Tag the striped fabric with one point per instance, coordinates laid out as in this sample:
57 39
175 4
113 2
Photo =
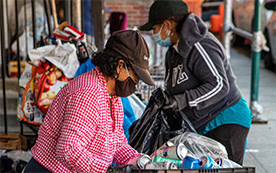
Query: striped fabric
81 132
214 72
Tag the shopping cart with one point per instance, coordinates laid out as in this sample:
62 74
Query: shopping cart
144 91
131 169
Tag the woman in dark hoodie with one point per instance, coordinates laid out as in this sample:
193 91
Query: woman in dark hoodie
199 79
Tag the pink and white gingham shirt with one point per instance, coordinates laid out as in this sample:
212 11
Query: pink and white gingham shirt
81 133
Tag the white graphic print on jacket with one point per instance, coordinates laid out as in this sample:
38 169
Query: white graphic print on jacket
178 75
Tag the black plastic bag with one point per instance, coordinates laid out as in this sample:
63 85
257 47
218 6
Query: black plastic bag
155 127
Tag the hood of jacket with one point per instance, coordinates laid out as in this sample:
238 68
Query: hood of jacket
192 31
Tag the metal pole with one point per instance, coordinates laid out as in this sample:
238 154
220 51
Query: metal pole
3 57
98 13
82 17
76 16
34 21
48 15
9 36
26 26
18 52
68 11
256 38
54 11
255 107
227 26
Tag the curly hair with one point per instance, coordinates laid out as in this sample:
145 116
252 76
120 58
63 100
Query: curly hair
108 62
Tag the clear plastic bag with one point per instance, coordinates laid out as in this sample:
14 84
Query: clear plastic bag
17 160
17 155
199 145
226 163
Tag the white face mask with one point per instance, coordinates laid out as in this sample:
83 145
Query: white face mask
157 39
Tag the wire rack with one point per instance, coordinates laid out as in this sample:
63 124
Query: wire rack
144 91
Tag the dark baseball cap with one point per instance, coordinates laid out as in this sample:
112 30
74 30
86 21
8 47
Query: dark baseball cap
131 45
163 9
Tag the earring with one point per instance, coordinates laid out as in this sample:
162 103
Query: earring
169 32
172 33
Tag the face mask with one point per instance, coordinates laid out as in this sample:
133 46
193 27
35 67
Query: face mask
157 39
125 88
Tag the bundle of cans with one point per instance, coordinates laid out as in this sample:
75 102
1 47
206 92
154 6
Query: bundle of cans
171 156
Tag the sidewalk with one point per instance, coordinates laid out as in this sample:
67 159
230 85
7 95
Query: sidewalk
261 144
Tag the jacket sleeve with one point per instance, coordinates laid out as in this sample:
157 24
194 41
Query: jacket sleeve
207 64
79 126
125 153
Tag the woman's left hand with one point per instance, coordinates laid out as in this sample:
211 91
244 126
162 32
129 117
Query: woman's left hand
170 104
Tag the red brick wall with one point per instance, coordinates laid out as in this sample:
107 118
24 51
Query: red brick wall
137 11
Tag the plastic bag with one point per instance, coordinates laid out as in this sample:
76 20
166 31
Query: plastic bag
199 145
137 105
25 26
27 111
48 82
63 57
39 86
226 163
18 160
26 44
154 128
17 155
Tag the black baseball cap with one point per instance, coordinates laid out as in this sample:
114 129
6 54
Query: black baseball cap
163 9
131 45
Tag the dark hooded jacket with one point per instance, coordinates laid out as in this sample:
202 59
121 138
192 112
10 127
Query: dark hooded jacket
199 75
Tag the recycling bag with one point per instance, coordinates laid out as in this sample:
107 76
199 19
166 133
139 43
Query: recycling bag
155 127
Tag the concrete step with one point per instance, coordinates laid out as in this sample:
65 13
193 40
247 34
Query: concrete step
12 94
11 84
11 100
11 118
13 123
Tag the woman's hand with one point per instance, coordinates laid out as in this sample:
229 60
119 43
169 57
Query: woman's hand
170 104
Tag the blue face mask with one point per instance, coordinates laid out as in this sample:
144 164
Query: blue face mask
157 39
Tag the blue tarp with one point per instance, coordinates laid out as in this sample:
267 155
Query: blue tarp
88 19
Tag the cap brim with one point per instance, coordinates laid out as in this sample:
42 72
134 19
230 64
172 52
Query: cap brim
146 27
143 74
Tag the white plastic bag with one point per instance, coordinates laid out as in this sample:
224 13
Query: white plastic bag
199 145
25 44
17 155
137 105
64 57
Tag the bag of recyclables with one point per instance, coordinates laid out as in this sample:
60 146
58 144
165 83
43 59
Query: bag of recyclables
199 145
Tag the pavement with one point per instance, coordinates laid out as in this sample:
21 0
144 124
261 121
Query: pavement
261 144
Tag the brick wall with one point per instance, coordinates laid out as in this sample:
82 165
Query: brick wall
137 10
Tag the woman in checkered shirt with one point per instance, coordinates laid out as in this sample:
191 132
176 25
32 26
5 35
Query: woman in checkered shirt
82 130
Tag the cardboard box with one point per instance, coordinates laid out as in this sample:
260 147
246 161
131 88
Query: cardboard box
13 142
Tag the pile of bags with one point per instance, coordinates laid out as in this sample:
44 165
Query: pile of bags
51 67
172 142
193 151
